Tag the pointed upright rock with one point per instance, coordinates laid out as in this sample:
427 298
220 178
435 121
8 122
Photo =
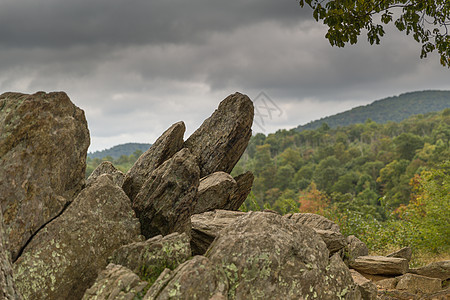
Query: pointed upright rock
222 138
169 143
43 146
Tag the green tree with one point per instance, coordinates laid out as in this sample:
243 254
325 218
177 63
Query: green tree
427 21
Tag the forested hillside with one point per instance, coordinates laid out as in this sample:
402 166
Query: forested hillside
368 177
394 109
119 150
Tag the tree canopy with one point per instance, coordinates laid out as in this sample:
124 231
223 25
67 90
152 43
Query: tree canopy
428 21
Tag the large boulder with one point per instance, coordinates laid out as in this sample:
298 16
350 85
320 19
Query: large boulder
7 287
222 138
149 258
116 282
266 256
244 187
165 202
43 145
438 269
335 241
64 258
214 192
169 143
197 278
380 265
356 248
414 284
106 167
314 221
206 226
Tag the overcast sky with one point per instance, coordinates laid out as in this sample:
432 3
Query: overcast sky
137 66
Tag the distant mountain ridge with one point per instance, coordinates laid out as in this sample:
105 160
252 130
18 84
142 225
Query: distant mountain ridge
396 109
119 150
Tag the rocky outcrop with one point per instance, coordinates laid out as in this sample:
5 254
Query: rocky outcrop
356 248
222 138
366 287
335 241
206 226
43 146
214 192
64 258
165 202
116 282
7 286
197 278
380 265
439 270
265 256
405 253
313 221
106 167
169 143
244 187
149 258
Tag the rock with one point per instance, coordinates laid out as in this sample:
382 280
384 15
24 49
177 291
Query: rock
214 192
107 167
116 282
380 265
149 258
414 284
405 253
165 202
440 269
388 283
244 187
266 256
334 240
43 145
222 138
64 258
197 278
207 225
169 143
313 221
7 286
356 248
366 287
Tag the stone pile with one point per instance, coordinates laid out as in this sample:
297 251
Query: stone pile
169 228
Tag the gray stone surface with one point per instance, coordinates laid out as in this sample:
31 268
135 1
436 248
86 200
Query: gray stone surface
335 241
165 202
214 192
414 284
64 258
244 187
405 253
266 256
206 226
150 257
116 283
356 248
169 143
107 167
380 265
7 287
197 278
439 269
367 288
313 221
222 138
43 145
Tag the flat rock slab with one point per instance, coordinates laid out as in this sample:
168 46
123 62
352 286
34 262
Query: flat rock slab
380 265
313 221
414 284
206 226
214 192
116 282
64 258
165 203
405 253
169 143
244 187
43 145
222 138
266 256
150 257
439 269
